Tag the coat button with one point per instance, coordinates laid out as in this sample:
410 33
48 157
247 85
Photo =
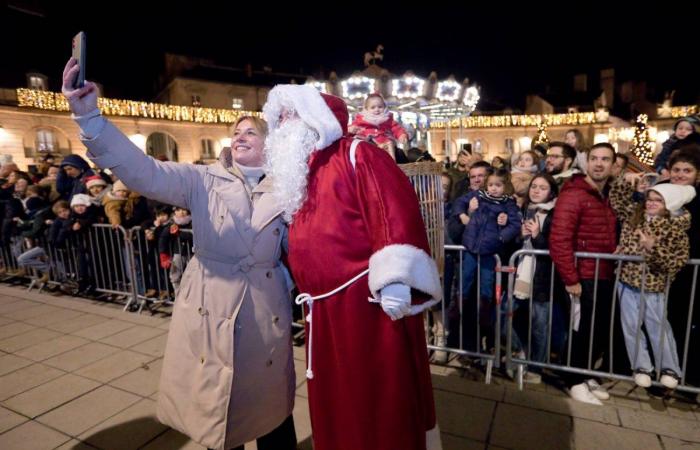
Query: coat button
276 232
275 319
269 362
201 359
268 274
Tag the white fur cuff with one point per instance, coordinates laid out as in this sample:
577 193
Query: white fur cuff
406 264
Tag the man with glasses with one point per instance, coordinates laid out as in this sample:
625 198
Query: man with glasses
560 158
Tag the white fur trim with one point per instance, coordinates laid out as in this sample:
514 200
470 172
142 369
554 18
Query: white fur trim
353 151
311 107
401 263
432 439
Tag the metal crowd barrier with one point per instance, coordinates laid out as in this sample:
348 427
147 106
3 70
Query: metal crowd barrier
452 324
156 285
595 363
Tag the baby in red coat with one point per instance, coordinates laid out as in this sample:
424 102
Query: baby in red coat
375 124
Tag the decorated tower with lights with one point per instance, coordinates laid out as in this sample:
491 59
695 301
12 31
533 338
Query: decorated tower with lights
542 137
642 148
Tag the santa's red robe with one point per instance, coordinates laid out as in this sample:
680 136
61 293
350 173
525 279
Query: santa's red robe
371 387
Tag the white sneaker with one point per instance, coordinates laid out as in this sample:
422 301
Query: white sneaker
583 394
596 389
440 356
642 379
669 379
532 378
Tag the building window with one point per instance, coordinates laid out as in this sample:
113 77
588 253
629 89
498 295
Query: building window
237 103
45 141
477 146
509 146
37 82
162 146
207 149
196 101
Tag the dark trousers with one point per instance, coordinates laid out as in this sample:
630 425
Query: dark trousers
281 438
600 327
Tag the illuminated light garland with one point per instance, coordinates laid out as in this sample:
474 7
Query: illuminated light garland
54 101
676 112
358 87
471 97
533 120
448 91
407 87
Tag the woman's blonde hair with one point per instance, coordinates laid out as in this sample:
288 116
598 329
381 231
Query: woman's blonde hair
258 123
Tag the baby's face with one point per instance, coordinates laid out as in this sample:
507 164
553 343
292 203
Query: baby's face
683 130
375 106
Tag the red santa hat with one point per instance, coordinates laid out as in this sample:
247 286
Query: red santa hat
325 114
95 180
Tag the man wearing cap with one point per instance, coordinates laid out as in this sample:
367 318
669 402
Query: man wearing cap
358 252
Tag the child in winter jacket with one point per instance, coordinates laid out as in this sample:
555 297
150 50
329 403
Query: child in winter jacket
491 219
656 230
377 125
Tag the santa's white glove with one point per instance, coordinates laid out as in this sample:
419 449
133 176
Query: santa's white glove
396 300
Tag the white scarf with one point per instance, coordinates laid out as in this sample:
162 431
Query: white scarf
375 119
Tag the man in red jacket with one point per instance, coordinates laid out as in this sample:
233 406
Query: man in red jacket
585 222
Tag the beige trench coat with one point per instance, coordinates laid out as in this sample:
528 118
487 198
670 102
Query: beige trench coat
228 372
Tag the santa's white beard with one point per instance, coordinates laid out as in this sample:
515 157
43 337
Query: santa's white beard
287 151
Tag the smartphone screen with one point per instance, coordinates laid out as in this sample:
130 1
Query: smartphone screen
79 55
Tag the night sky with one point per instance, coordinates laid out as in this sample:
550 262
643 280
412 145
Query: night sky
508 52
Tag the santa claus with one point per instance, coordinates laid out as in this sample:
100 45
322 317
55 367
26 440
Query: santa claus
359 252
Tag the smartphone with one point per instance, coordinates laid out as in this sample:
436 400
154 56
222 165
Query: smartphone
79 55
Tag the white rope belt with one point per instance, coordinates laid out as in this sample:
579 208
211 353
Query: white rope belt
309 300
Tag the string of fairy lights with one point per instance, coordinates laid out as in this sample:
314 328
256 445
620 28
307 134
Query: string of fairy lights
531 120
54 101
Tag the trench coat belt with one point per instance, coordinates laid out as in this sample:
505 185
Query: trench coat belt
238 264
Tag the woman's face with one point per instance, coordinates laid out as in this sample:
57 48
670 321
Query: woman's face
570 139
12 178
684 173
539 190
247 145
683 129
95 190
